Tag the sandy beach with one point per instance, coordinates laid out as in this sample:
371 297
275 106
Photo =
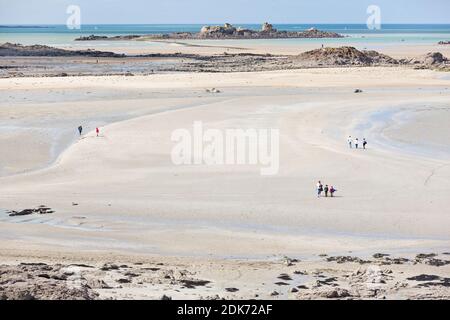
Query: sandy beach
119 199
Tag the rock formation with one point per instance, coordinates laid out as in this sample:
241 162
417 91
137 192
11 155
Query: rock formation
18 50
94 37
227 31
346 56
267 27
431 58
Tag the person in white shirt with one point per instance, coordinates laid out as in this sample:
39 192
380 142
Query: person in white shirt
356 143
350 141
319 189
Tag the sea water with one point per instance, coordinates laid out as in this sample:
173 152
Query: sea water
60 35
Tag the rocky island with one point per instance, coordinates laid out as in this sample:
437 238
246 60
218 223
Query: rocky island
227 31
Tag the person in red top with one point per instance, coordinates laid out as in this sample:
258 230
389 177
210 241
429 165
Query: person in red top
97 130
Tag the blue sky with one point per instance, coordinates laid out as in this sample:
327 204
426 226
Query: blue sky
218 11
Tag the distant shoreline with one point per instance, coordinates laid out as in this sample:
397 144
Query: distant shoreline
24 27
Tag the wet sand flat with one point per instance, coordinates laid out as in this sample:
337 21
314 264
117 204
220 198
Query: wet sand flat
120 194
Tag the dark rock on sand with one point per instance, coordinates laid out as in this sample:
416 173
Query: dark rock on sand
152 269
335 294
390 261
231 289
432 281
109 267
300 272
421 256
425 277
328 281
431 260
97 284
91 37
380 255
346 259
285 277
123 280
430 59
81 265
436 262
26 212
281 283
191 284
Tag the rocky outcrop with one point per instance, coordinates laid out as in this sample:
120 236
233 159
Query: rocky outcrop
39 281
18 50
443 42
430 59
214 31
91 37
346 56
267 32
267 27
227 31
94 37
39 210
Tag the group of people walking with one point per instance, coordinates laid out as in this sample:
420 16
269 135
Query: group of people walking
326 190
356 142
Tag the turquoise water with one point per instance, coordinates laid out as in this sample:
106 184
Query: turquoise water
390 33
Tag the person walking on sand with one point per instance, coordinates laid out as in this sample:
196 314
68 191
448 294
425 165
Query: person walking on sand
319 189
356 143
326 189
350 141
364 143
80 130
97 131
332 191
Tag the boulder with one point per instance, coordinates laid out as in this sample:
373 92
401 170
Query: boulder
434 58
227 29
267 27
429 59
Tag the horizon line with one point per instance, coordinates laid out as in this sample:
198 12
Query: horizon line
233 23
